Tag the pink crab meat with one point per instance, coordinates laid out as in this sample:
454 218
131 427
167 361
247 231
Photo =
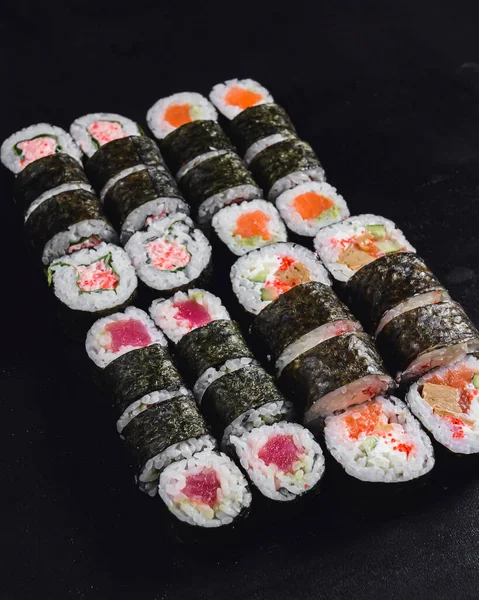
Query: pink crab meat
152 218
280 450
168 256
97 276
37 148
127 332
193 313
106 131
91 242
202 487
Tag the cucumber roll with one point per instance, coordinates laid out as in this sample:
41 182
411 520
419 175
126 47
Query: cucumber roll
171 254
262 275
429 336
379 441
93 131
347 247
285 165
236 95
248 226
35 142
339 372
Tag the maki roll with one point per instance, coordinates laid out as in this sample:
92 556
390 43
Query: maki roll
379 441
284 165
35 142
310 206
171 254
446 401
236 95
93 131
262 275
348 246
248 226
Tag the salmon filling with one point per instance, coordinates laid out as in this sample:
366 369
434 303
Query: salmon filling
103 132
37 147
167 256
178 114
98 276
253 225
311 205
242 97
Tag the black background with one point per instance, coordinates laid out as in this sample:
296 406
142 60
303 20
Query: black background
388 95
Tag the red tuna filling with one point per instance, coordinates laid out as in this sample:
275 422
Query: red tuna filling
202 487
127 332
168 256
280 450
97 276
106 131
90 242
192 312
37 148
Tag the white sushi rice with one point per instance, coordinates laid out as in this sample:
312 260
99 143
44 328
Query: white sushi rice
160 207
13 161
266 142
59 243
143 403
224 223
233 495
269 479
212 374
148 478
437 358
443 429
121 175
219 92
194 162
200 109
373 456
213 204
178 229
252 271
60 189
285 203
312 339
82 136
98 341
164 312
410 304
329 248
63 274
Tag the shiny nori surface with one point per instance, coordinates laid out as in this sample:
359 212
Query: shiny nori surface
230 396
258 122
45 174
211 346
295 313
281 159
422 330
161 425
118 155
330 365
59 212
213 176
386 282
140 372
137 189
191 140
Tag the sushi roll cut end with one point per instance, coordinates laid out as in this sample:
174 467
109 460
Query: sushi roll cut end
236 95
92 131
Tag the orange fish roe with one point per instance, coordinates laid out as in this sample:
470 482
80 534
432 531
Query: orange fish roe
311 205
458 378
363 420
178 114
241 97
254 223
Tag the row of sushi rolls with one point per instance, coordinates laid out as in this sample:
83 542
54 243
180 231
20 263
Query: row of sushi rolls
116 215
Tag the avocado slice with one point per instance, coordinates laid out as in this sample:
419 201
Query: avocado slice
475 380
259 277
268 294
377 231
387 246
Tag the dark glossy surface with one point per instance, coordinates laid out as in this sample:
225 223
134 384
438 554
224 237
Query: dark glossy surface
388 95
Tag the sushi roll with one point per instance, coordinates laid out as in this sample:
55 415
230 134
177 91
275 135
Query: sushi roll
283 460
429 336
215 181
379 441
35 142
348 246
172 112
205 490
446 401
284 165
236 95
343 370
262 275
299 320
93 131
248 226
171 254
310 206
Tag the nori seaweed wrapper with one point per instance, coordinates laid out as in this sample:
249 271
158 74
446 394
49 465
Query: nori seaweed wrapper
137 189
281 159
230 396
213 176
116 156
45 174
192 140
295 313
258 122
211 346
59 212
386 282
162 425
330 365
424 329
140 372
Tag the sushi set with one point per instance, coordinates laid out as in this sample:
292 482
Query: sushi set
337 314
